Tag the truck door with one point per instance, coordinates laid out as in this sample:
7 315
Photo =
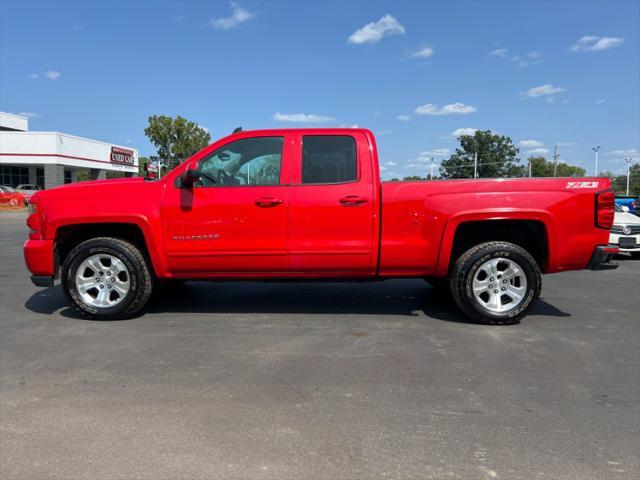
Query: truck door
332 206
235 218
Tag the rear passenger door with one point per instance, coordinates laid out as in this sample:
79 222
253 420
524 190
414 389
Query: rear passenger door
331 212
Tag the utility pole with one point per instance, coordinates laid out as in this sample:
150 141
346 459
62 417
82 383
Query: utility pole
431 175
596 149
555 160
628 160
475 166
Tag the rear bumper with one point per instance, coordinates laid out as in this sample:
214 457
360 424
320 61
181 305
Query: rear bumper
40 259
602 257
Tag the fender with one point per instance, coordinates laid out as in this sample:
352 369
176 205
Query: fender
151 239
452 224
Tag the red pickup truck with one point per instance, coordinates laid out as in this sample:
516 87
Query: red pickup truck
308 204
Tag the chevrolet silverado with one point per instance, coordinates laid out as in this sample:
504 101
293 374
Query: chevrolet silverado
309 204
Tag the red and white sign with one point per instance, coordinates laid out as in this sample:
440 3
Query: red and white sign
122 156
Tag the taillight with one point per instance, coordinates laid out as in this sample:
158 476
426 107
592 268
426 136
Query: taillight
605 209
34 222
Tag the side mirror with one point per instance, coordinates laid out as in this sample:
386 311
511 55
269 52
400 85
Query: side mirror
189 177
624 208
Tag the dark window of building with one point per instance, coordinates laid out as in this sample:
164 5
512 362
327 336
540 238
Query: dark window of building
13 176
40 177
329 159
67 176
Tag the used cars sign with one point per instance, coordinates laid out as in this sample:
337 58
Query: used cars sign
122 156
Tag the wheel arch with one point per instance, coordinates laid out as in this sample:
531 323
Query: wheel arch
69 236
533 231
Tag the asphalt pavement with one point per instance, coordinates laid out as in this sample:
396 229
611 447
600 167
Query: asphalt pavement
319 381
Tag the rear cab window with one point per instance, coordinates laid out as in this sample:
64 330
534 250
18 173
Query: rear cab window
329 159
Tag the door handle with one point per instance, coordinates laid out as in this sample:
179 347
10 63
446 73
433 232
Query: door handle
353 200
267 202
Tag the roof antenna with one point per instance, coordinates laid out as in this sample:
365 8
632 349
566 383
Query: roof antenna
237 130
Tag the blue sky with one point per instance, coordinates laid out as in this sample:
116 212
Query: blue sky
544 73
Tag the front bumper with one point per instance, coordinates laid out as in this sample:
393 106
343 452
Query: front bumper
40 260
602 256
614 238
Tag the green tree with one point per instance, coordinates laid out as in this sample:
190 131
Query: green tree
619 181
497 157
411 178
541 167
176 139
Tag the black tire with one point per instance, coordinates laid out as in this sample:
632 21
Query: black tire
140 279
468 264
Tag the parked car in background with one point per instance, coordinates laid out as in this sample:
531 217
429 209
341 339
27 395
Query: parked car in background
10 197
625 231
28 188
631 202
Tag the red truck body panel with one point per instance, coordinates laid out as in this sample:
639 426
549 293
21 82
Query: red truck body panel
395 229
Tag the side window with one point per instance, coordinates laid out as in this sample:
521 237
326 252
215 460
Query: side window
251 161
329 159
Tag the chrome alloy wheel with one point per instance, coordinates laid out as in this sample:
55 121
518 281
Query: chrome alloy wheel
102 280
499 285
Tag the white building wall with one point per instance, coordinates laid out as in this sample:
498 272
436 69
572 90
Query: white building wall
29 148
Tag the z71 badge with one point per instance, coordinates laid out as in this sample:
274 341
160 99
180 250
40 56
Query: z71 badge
582 184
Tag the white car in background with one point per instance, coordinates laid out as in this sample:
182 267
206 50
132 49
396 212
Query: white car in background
625 231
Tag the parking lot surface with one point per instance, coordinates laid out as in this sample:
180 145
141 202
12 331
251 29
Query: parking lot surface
319 381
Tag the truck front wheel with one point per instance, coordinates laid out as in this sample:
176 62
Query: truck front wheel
106 278
495 282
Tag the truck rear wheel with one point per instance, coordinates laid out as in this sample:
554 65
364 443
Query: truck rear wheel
495 282
106 278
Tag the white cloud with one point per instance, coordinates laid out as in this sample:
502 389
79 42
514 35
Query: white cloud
625 153
499 52
437 152
542 90
374 31
593 43
534 55
238 15
390 163
601 101
537 151
567 144
464 131
302 118
34 76
403 118
423 52
451 109
27 114
53 74
531 144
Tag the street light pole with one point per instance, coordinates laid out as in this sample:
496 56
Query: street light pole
431 175
628 160
555 160
475 166
596 149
